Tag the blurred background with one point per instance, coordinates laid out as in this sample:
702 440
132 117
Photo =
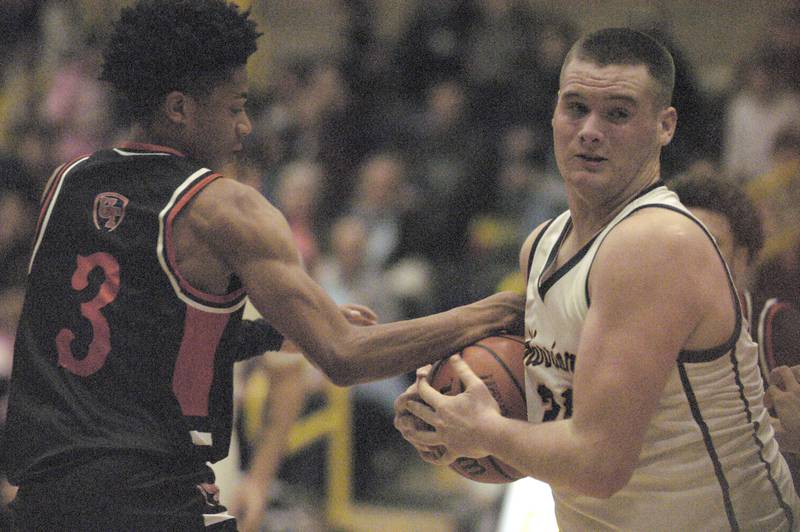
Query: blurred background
408 144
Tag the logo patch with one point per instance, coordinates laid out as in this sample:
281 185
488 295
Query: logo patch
109 210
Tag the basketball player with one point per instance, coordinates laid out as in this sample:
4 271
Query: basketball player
733 219
774 324
645 401
121 385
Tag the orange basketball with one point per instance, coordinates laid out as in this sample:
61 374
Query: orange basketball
498 361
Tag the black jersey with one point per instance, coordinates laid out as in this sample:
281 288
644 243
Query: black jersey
115 350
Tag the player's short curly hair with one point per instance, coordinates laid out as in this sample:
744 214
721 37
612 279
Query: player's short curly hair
158 46
721 195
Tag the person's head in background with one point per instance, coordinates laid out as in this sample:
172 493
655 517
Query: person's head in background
179 66
729 215
382 186
786 147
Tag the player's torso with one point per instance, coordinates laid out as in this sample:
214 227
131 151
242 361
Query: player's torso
684 455
125 351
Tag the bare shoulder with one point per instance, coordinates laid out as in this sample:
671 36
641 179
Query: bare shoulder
665 256
235 219
659 237
661 267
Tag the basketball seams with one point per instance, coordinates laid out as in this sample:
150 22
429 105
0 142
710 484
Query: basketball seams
505 367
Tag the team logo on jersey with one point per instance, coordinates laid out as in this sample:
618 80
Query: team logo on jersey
537 355
109 210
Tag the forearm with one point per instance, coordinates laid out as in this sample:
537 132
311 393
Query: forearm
385 350
557 454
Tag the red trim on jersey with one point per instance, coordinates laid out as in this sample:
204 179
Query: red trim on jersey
185 285
143 146
194 367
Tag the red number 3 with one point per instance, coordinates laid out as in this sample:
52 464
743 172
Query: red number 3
101 335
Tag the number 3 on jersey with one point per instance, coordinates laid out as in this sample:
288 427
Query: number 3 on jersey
100 345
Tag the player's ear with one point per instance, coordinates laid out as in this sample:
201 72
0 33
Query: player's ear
178 106
667 121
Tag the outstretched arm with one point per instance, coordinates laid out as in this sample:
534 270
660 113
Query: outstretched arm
253 240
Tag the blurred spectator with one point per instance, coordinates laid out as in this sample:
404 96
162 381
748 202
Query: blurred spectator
528 187
537 79
76 105
499 44
331 131
698 133
783 42
370 68
382 200
349 277
19 25
431 46
777 195
31 161
17 220
754 116
269 395
451 165
10 308
296 195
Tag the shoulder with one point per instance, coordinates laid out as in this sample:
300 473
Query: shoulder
657 246
226 199
659 231
230 215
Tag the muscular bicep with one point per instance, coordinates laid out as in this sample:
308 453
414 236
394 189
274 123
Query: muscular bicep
651 288
252 238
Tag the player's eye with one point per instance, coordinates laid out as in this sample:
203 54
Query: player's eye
619 114
576 109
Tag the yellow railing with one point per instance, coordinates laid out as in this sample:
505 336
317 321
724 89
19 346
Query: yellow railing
332 422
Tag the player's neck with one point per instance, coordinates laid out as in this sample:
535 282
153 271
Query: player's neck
155 136
590 213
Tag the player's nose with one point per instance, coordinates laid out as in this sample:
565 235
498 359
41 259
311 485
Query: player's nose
590 131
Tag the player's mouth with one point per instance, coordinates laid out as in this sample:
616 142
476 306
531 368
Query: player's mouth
591 161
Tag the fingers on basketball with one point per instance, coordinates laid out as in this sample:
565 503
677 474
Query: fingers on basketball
498 362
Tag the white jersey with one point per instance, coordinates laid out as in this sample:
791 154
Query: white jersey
709 459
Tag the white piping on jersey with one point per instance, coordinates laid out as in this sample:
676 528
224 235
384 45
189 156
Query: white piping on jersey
163 261
46 218
134 153
201 438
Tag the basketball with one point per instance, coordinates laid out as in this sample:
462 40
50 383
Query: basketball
498 361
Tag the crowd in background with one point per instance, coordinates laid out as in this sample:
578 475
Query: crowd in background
411 170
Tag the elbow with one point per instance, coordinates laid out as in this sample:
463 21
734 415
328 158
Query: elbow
338 368
341 376
604 480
